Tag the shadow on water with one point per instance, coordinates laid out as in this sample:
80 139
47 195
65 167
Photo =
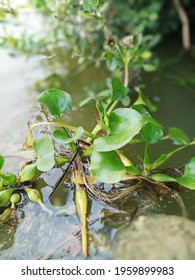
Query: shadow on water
31 233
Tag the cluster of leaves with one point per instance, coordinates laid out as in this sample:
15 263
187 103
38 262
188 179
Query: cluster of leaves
116 128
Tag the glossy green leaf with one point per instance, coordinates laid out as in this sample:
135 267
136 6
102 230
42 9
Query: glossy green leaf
119 91
1 161
61 160
151 133
188 179
162 177
178 136
124 124
28 172
132 170
57 101
63 137
141 109
5 196
106 167
160 160
190 167
44 149
1 184
8 179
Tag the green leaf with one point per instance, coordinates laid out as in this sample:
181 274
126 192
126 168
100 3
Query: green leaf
90 5
162 177
5 196
63 137
44 149
188 179
1 184
124 124
1 161
28 172
8 179
132 170
88 151
160 160
190 167
61 160
57 101
111 61
106 167
143 100
151 133
119 91
178 136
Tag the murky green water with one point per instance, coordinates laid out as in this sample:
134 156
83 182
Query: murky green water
32 233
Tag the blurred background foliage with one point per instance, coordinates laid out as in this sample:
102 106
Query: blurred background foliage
81 33
84 28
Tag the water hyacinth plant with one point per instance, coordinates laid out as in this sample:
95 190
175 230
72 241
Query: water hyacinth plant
93 158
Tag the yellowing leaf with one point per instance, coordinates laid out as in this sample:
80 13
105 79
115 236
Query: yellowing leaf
81 207
28 143
78 180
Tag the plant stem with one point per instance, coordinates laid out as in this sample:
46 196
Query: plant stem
94 132
59 124
112 107
126 81
114 104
